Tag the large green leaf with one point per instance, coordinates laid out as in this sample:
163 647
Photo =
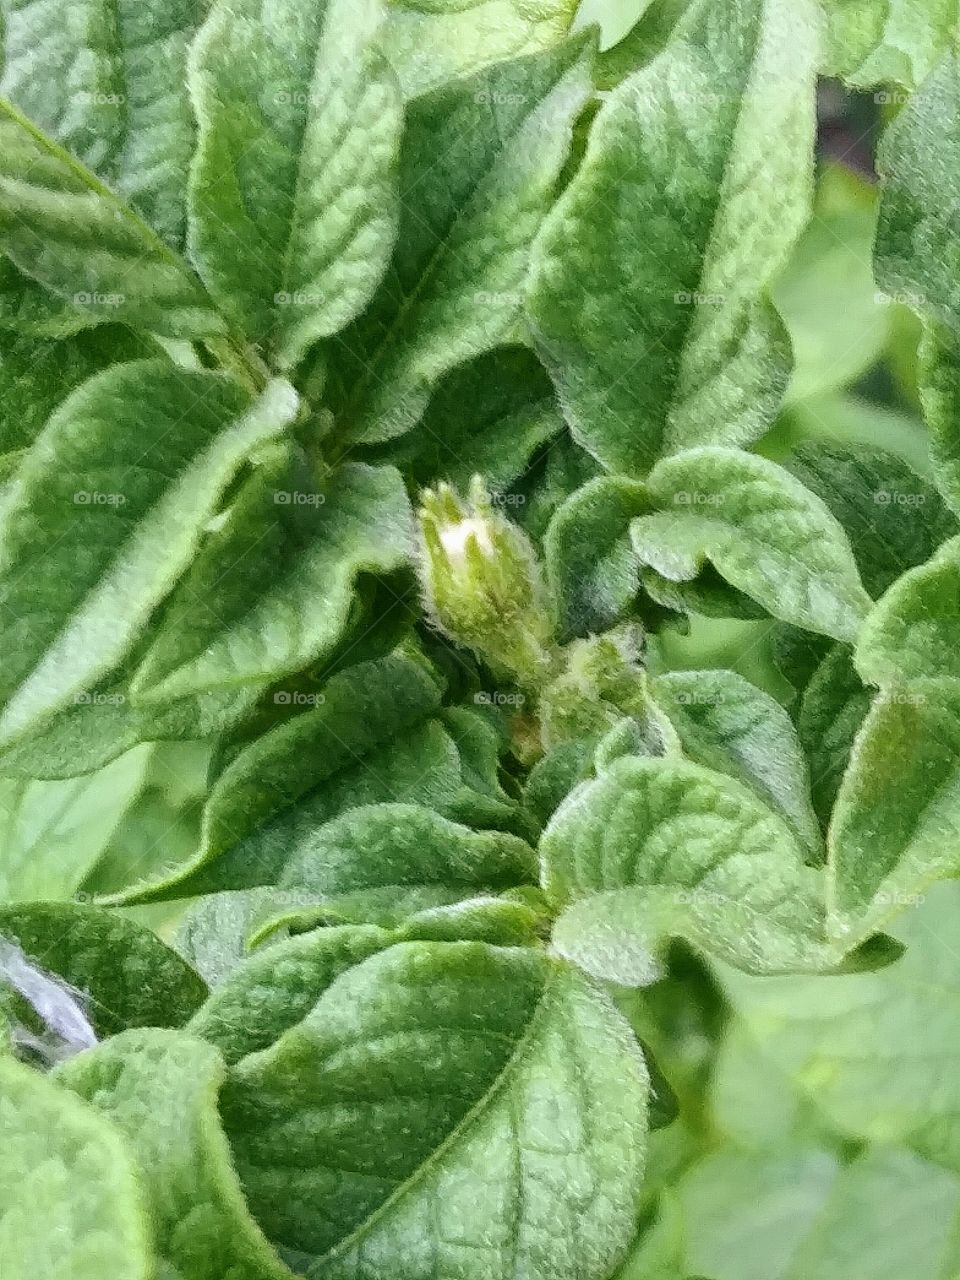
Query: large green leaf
729 725
918 236
431 41
273 590
160 1089
52 834
126 974
292 204
766 534
648 298
480 1111
108 81
65 229
867 1051
70 1206
655 849
886 42
126 475
479 163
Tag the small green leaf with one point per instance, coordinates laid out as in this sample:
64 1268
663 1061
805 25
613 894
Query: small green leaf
884 42
765 533
65 229
896 823
126 474
939 379
421 1076
125 974
648 300
893 518
70 1206
121 111
592 568
364 710
833 706
37 374
656 849
273 590
731 726
292 204
406 846
432 41
276 988
913 632
454 288
487 417
160 1089
917 255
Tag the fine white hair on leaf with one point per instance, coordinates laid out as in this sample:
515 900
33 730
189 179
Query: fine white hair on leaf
56 1004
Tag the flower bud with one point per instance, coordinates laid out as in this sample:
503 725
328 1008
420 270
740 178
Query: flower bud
483 584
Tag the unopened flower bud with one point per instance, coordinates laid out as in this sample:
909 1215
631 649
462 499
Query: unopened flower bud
483 584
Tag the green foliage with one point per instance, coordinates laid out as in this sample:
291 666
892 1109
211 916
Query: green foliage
539 884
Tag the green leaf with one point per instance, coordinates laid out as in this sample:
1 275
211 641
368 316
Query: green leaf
274 589
833 707
110 86
421 1075
62 227
432 41
127 976
160 1088
656 849
127 473
364 709
487 417
765 533
893 518
53 833
896 823
36 374
648 300
867 1050
453 290
292 204
592 568
939 379
884 42
729 725
214 931
276 988
917 255
28 309
912 633
70 1207
406 846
